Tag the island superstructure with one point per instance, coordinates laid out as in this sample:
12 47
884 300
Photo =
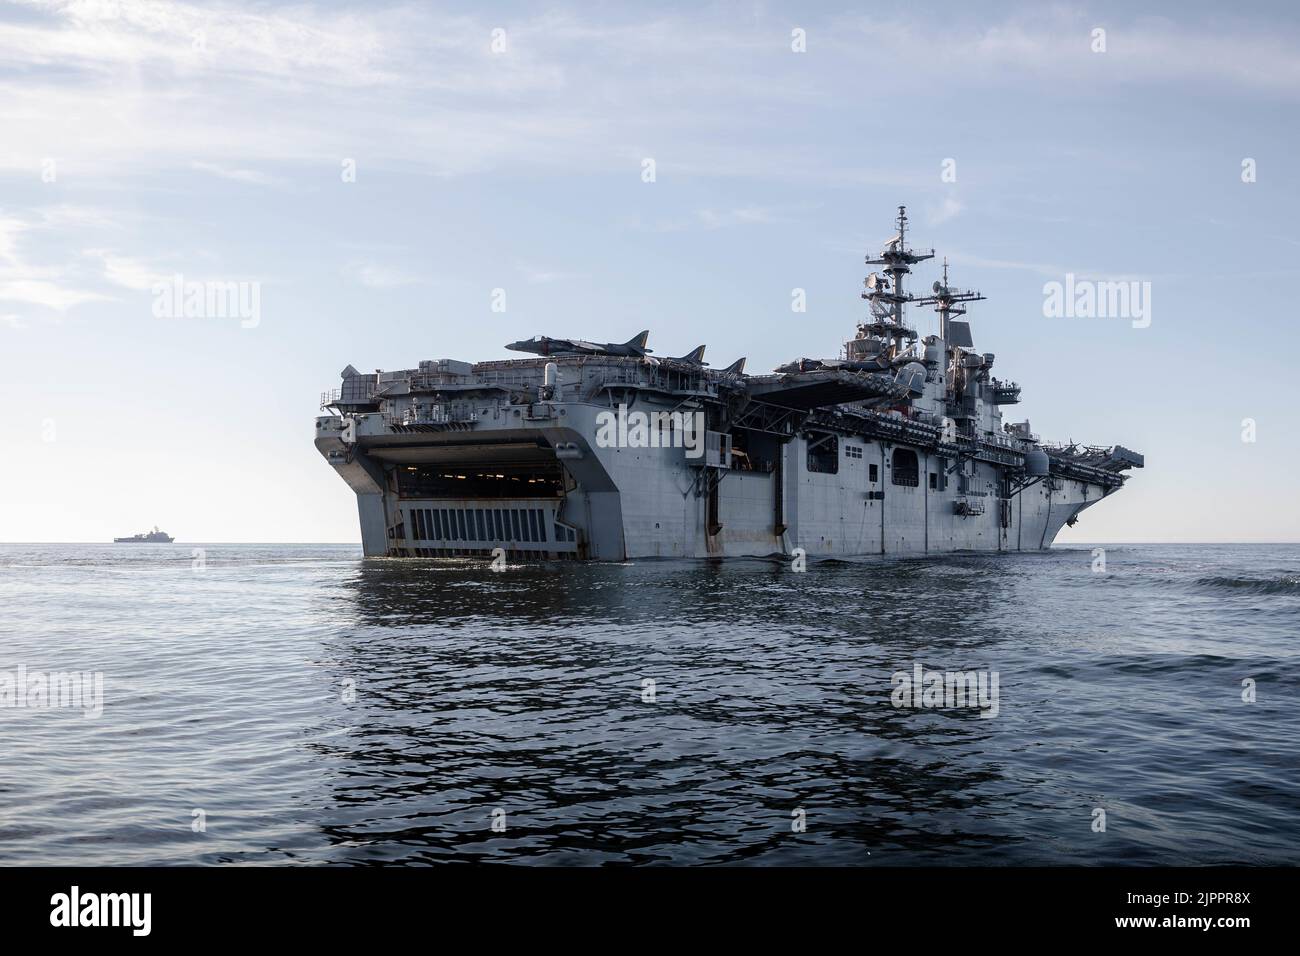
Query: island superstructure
897 446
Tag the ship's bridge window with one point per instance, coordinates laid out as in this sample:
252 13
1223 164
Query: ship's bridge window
906 469
852 451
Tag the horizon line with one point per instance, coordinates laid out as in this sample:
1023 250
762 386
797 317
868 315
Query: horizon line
358 544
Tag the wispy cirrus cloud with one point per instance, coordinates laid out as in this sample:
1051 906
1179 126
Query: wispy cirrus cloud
738 216
45 293
23 280
128 272
225 90
949 207
1052 270
539 274
379 275
251 176
10 229
723 217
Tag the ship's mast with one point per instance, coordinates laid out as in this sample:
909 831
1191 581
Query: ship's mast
945 301
887 294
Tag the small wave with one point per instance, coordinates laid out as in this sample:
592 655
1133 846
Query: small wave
1280 585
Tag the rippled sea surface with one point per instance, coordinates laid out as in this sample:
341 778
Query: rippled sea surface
297 704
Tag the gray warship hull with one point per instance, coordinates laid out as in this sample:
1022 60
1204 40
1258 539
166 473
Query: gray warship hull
625 503
607 453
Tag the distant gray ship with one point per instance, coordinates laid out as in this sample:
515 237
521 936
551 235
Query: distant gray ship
606 452
146 537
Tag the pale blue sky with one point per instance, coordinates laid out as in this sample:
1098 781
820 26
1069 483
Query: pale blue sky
208 140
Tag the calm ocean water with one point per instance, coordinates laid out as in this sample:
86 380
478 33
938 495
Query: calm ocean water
298 704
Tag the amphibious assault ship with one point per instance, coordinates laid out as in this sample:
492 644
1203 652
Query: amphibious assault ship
147 537
607 452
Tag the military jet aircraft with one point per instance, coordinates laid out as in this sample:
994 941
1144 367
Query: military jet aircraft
694 357
634 347
817 365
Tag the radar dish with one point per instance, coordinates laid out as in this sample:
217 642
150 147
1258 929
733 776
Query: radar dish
937 286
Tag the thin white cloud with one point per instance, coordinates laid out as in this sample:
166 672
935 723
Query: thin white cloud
10 230
49 295
71 216
1055 46
130 273
721 218
1051 270
22 280
540 275
233 87
193 37
947 208
742 216
377 275
236 175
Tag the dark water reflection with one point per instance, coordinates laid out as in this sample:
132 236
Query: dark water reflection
327 709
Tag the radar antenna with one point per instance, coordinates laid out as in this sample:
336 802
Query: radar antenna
886 295
945 301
